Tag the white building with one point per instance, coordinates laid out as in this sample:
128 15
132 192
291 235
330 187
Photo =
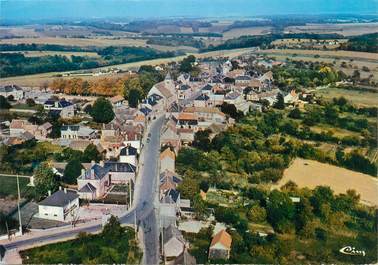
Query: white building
128 154
12 90
61 206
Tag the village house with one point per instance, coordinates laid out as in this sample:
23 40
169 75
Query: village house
187 120
207 114
118 101
291 97
12 90
128 154
202 100
220 246
184 91
173 243
168 181
167 160
235 73
20 127
174 110
77 132
62 206
93 183
186 135
242 80
120 172
183 78
165 89
237 99
60 107
169 137
43 131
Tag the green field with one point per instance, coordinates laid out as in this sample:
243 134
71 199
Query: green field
8 186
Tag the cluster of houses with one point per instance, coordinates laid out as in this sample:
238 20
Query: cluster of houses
189 104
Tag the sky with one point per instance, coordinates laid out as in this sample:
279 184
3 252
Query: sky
50 9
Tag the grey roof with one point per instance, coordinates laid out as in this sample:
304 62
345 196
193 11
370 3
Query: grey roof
112 166
184 87
243 77
128 151
88 188
202 97
232 95
9 88
172 232
95 172
185 259
171 196
70 127
207 87
60 198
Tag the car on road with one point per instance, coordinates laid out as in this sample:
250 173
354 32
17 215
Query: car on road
149 134
148 140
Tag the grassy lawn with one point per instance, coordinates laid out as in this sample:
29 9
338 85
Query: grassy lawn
222 197
8 186
24 106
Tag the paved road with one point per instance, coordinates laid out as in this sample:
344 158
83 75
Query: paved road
143 206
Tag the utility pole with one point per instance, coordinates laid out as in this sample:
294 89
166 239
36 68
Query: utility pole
135 225
18 204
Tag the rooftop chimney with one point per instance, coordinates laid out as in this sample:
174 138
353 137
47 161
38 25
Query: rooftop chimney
102 163
49 192
82 171
93 163
65 190
60 187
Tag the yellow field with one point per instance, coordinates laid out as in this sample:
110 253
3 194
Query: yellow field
46 53
346 29
362 98
330 54
235 33
309 173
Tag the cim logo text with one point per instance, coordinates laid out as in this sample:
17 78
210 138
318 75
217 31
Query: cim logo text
348 250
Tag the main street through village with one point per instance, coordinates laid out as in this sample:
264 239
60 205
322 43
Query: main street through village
143 211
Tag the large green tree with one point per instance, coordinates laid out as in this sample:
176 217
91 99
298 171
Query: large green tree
72 171
44 180
102 111
4 104
91 154
133 97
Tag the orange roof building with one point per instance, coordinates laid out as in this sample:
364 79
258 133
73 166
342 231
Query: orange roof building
220 246
167 160
167 153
